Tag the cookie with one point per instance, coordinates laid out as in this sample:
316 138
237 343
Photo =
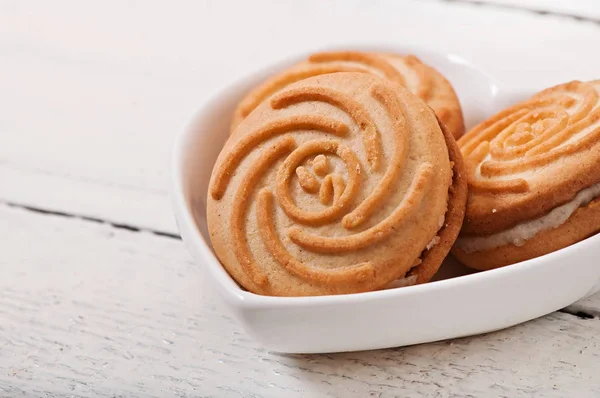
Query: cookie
339 183
534 177
408 71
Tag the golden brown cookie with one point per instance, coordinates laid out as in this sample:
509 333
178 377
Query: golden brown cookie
534 176
339 183
408 71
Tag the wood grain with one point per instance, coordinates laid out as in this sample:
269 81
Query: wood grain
87 310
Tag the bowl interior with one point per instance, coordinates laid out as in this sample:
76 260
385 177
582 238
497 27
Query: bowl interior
199 146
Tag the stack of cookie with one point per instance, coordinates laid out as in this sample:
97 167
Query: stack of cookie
342 175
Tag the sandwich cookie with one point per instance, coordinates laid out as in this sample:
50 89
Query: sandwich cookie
408 71
339 183
534 177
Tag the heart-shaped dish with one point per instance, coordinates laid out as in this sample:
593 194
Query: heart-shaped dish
457 303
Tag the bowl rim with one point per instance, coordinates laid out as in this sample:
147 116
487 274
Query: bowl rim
195 242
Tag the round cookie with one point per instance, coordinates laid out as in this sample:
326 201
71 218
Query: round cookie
408 71
339 183
534 173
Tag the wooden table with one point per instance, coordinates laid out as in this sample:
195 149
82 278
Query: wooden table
98 296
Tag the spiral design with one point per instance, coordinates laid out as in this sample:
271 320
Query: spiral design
502 152
407 71
329 168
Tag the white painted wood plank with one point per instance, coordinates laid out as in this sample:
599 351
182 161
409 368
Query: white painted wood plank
87 310
91 95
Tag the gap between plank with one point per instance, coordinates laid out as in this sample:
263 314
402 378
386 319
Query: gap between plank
89 219
577 312
529 10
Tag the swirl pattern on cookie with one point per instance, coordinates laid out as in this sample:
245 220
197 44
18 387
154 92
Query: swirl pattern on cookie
408 71
502 152
328 171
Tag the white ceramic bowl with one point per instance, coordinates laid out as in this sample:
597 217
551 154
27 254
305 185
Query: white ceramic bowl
458 303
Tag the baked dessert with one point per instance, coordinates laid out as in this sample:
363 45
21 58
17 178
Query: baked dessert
408 71
534 177
339 183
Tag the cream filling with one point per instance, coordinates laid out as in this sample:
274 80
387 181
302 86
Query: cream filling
408 281
520 233
411 280
433 242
